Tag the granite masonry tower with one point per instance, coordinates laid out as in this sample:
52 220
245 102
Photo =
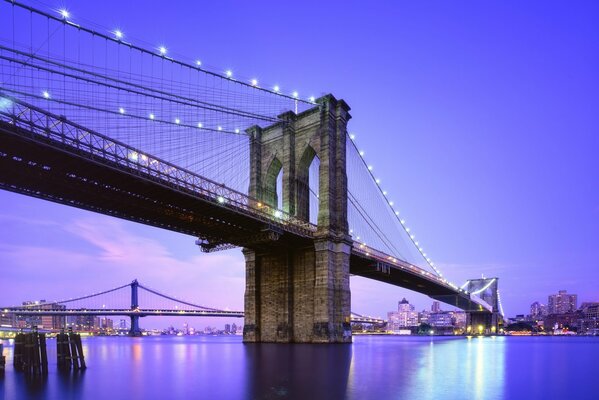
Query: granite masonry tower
300 292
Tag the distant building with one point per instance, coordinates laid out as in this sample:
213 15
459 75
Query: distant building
436 307
7 320
233 328
405 316
227 328
460 319
46 321
537 311
443 318
589 324
569 320
562 303
106 323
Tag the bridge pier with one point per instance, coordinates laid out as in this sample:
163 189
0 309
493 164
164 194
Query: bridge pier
482 323
134 330
299 292
298 295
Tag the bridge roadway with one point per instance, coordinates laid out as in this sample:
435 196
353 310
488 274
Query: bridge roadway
153 313
46 156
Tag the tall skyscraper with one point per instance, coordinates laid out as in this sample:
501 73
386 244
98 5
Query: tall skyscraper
562 303
538 310
436 307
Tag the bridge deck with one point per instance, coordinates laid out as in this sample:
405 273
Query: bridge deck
41 163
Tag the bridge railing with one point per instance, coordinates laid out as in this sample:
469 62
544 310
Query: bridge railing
378 255
95 146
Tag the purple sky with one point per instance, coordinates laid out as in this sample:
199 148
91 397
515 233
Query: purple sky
481 117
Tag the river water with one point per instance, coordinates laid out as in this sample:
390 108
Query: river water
373 367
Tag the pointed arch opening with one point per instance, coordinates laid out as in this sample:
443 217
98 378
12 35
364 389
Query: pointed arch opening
273 184
308 173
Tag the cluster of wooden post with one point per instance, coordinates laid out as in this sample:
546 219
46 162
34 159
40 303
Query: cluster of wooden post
30 353
69 351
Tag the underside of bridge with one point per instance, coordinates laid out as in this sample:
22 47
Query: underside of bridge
61 175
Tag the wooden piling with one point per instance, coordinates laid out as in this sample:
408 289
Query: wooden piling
2 359
17 360
79 346
74 357
44 354
29 354
63 351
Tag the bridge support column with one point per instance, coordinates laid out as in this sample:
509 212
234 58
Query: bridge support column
298 295
482 323
134 330
299 292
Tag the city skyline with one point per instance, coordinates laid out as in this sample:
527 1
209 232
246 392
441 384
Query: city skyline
490 158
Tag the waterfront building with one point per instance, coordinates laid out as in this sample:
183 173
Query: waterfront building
570 320
537 311
45 321
562 303
441 319
436 307
589 324
405 316
7 320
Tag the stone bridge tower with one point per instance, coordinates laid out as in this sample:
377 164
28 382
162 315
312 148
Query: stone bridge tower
300 292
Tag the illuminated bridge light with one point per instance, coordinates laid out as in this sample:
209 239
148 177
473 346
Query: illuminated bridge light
64 13
162 50
46 94
276 88
118 34
220 199
278 214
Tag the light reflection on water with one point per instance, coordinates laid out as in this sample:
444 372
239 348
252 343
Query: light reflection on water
373 367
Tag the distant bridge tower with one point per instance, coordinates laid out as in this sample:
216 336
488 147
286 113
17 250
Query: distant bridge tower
483 322
134 331
299 292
